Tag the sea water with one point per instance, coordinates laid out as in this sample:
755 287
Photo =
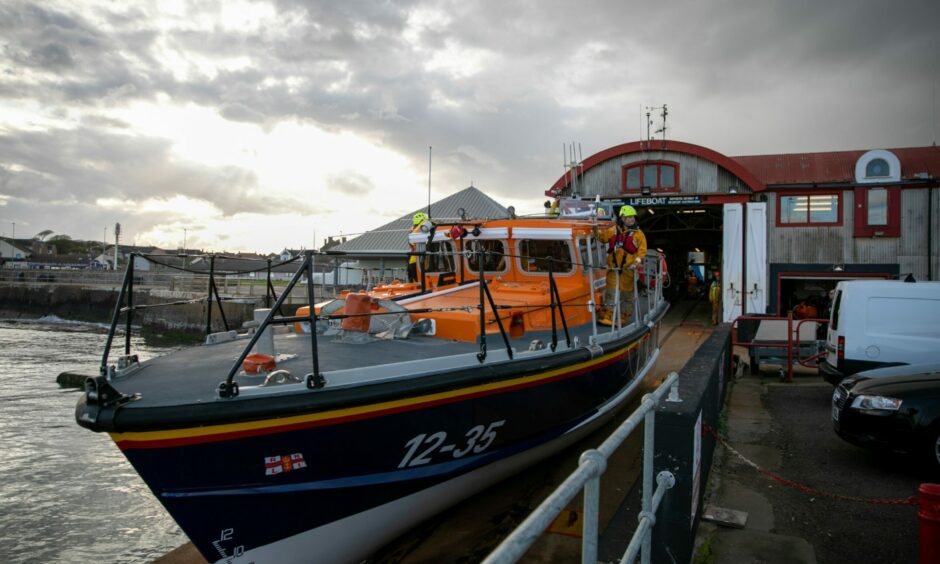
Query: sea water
67 494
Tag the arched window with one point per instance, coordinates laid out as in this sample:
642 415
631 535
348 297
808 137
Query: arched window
877 168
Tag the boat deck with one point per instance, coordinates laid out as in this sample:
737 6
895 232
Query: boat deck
193 375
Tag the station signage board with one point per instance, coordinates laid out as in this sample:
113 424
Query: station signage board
647 201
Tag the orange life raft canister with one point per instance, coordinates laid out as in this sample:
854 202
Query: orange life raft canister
255 363
357 305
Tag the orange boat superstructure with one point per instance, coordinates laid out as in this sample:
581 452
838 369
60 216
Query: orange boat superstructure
516 256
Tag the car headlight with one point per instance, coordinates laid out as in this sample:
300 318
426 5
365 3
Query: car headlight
876 403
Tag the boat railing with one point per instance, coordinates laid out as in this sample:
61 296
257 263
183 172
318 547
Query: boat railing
125 302
314 380
586 478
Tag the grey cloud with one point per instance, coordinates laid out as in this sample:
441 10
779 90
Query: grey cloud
83 166
350 183
241 112
738 75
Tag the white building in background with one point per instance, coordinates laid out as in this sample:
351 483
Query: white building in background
11 250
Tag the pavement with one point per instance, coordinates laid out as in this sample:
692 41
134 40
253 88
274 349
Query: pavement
749 424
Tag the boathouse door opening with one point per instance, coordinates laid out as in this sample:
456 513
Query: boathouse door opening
691 239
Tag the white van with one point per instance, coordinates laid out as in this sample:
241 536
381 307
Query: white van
878 323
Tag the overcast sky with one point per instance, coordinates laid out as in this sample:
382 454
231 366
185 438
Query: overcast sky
246 125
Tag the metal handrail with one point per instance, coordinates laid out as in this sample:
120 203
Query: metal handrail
485 290
555 301
790 345
128 275
586 477
228 388
814 357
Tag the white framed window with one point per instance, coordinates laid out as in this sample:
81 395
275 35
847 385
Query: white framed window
878 166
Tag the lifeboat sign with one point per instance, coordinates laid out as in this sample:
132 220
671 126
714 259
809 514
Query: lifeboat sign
664 201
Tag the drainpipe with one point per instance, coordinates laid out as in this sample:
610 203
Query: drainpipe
744 259
930 188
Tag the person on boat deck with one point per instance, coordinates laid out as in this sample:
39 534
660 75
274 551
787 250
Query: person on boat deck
416 222
714 297
626 249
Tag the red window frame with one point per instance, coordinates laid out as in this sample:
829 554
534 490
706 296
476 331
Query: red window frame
654 186
892 228
808 223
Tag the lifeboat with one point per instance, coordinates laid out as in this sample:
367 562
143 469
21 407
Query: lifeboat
386 406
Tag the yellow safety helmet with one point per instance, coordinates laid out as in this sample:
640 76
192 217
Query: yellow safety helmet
419 217
627 211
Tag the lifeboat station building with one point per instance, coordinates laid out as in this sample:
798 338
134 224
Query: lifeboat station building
780 229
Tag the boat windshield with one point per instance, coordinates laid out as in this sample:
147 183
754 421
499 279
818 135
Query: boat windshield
588 246
439 257
495 258
534 255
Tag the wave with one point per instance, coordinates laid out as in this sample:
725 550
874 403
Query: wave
58 323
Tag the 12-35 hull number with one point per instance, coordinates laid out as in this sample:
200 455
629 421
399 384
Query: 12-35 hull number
422 448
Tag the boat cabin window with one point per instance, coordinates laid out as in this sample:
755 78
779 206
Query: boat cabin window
586 246
601 257
583 252
534 253
495 255
439 257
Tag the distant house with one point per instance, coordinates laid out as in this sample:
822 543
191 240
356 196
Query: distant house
246 266
124 252
381 251
287 254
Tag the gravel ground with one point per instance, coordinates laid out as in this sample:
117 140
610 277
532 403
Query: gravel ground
813 455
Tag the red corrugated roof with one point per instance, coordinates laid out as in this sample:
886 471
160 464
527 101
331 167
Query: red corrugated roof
837 166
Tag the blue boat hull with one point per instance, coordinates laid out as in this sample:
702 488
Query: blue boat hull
335 486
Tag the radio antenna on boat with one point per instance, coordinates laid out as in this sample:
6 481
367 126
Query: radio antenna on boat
429 181
573 164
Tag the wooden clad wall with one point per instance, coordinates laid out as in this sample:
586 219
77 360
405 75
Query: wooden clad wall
912 246
838 245
820 245
696 175
935 235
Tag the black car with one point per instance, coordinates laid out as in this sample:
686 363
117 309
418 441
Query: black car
895 409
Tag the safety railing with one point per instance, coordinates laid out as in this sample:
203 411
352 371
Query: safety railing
586 478
792 344
305 274
125 303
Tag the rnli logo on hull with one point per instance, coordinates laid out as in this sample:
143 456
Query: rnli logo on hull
285 463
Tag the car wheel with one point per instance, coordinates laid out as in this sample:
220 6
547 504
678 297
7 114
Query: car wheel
755 366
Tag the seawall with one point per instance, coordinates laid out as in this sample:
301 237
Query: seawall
96 303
